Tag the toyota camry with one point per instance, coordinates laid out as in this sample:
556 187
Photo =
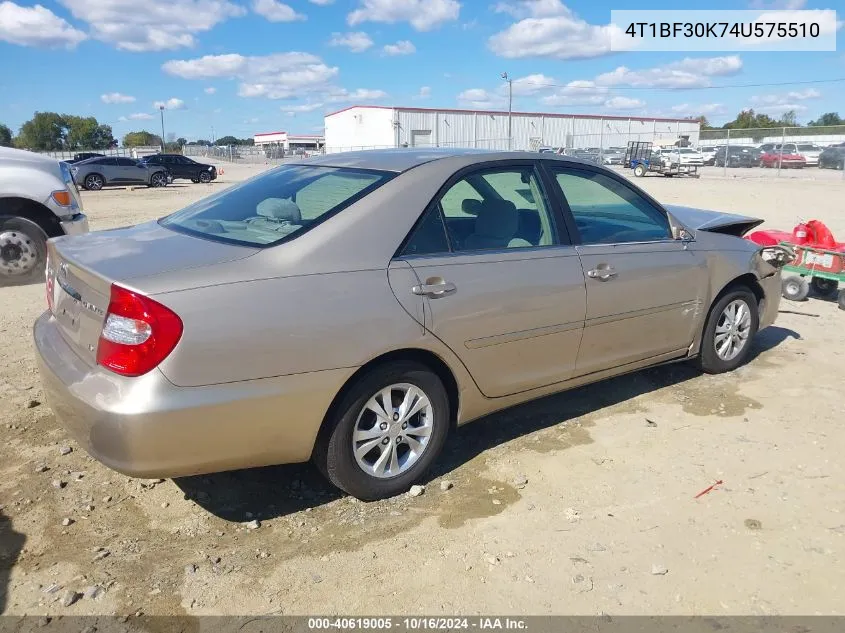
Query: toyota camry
352 309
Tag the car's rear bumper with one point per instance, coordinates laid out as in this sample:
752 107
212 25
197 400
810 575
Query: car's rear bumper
149 427
76 225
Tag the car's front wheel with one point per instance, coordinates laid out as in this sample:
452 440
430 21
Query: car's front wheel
205 177
731 324
385 432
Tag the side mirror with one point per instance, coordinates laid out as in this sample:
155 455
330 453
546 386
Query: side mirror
685 236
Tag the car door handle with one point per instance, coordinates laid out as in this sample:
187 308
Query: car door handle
602 274
436 290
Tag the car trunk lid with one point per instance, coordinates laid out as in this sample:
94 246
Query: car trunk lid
81 270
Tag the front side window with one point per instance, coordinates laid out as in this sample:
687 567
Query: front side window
276 206
607 211
494 209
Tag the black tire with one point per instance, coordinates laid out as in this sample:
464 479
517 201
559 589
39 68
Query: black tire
195 180
795 288
334 455
94 182
158 179
841 299
23 251
824 287
639 171
205 177
709 360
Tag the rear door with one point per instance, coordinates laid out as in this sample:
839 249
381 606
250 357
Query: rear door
129 171
501 284
645 290
108 168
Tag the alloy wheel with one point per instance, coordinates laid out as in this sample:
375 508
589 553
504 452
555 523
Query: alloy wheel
392 430
732 330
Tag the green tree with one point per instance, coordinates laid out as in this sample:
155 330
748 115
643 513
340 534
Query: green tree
45 131
750 119
86 133
141 139
828 118
789 119
181 141
228 140
5 136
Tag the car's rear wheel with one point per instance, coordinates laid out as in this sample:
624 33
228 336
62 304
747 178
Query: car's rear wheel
93 182
23 251
841 299
795 288
824 287
205 177
385 432
158 179
731 325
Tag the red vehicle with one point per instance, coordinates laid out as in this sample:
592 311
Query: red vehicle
771 158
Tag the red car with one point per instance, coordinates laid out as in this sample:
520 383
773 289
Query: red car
770 159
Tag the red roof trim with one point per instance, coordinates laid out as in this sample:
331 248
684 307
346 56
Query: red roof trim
551 114
268 133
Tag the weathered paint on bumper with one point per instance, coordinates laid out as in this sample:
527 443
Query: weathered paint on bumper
77 225
148 427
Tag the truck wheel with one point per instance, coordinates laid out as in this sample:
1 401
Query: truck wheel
23 251
795 288
639 171
841 300
824 287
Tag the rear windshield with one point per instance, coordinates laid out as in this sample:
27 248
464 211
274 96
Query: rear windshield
276 206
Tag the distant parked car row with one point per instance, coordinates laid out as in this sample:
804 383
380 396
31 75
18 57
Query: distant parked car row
795 155
158 170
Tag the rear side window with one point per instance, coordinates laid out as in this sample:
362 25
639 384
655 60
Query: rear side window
276 206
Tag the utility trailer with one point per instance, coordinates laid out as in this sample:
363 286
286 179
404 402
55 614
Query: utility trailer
643 159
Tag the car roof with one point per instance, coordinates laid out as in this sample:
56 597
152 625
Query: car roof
402 159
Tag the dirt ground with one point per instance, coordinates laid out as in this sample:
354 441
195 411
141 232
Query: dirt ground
582 503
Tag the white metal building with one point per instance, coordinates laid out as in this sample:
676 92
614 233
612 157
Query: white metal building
289 142
370 127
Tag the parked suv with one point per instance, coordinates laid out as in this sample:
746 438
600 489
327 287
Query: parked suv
95 173
183 167
38 200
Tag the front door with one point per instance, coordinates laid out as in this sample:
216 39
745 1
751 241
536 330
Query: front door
645 290
501 287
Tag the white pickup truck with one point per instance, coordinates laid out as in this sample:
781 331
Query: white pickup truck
38 200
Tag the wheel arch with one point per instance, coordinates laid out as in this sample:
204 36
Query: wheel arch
424 357
35 212
748 280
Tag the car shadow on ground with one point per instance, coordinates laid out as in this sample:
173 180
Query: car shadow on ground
11 544
274 491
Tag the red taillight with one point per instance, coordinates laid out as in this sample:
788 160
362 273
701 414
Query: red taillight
138 333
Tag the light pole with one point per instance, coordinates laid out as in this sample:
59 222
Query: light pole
161 109
510 108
